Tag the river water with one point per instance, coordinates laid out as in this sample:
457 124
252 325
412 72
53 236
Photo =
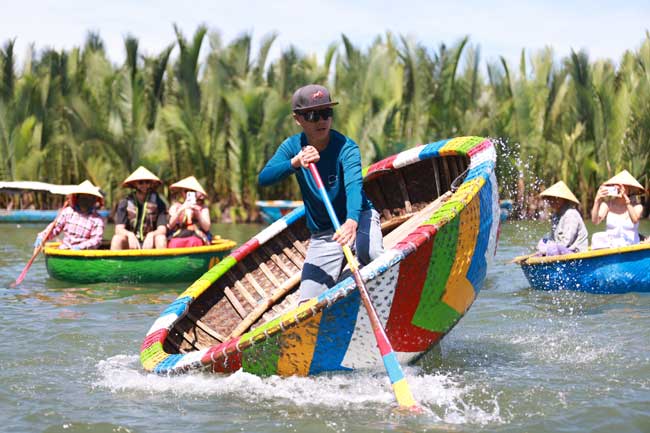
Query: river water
519 361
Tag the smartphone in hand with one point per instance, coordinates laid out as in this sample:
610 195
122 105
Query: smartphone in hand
190 197
612 191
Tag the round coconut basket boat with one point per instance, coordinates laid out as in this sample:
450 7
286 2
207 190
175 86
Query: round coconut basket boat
134 266
609 270
440 213
273 210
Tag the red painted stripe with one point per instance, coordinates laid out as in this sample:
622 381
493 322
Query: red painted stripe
156 337
214 357
232 364
417 237
384 164
314 173
412 274
382 341
481 147
245 249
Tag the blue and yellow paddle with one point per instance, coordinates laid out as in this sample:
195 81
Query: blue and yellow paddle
398 381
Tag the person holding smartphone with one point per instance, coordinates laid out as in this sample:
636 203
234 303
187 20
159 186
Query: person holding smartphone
189 221
338 160
622 215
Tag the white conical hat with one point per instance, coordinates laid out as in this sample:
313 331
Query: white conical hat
189 183
560 190
86 187
625 178
141 173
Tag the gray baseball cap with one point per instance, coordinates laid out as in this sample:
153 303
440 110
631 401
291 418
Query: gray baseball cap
310 97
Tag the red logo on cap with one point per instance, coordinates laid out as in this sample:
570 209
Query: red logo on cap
317 95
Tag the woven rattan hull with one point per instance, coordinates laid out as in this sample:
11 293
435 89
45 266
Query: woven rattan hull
242 314
610 270
134 266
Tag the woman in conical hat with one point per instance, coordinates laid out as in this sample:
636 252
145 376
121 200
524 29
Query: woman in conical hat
141 217
189 222
568 232
622 215
80 223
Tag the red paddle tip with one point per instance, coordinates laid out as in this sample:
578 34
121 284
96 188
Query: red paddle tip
411 410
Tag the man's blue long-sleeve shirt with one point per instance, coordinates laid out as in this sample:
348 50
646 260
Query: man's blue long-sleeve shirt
339 167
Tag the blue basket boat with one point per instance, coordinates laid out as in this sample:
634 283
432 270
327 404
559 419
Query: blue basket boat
273 210
610 270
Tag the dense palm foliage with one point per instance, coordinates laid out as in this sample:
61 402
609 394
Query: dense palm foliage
218 111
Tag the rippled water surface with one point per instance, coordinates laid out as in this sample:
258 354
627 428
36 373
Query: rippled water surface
519 361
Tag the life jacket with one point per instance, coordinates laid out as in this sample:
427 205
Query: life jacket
141 224
187 229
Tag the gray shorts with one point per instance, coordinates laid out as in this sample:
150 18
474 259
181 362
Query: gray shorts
325 258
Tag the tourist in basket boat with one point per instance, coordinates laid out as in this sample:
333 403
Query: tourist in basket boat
141 217
568 232
80 223
622 215
189 221
338 160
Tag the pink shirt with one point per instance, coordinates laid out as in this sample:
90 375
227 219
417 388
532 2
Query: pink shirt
81 231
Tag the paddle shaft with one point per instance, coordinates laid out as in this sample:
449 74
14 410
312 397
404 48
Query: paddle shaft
23 274
401 388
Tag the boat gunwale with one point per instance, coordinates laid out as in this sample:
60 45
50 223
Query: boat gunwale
585 255
51 250
152 347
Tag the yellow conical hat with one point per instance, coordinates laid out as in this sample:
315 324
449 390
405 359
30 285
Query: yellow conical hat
625 178
141 173
189 183
560 190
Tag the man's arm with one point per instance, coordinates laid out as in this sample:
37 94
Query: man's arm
279 166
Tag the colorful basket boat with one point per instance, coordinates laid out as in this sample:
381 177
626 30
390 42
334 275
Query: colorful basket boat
273 210
440 214
134 266
611 270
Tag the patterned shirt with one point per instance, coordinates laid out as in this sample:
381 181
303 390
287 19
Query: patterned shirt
80 231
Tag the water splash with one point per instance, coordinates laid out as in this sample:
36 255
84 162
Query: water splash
447 399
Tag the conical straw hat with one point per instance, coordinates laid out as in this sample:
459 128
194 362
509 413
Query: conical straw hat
141 173
625 178
560 190
86 187
189 183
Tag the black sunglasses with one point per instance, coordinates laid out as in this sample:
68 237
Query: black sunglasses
315 116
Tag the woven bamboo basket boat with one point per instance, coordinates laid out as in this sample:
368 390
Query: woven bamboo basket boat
604 271
273 210
169 265
440 214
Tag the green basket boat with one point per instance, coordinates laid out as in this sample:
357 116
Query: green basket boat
134 266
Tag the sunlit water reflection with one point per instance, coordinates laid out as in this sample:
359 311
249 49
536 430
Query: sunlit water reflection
520 360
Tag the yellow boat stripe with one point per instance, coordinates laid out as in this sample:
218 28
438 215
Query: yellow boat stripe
297 347
459 292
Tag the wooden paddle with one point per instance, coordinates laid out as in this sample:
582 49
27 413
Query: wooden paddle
22 275
398 381
521 259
